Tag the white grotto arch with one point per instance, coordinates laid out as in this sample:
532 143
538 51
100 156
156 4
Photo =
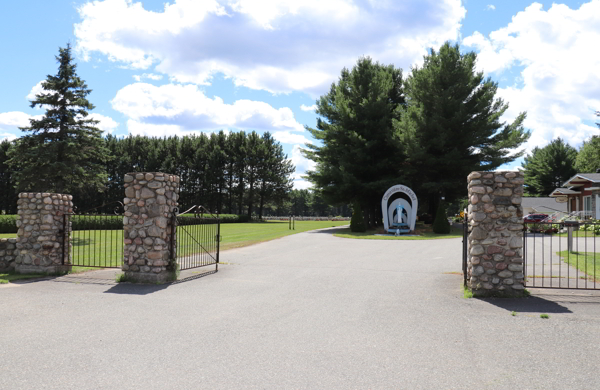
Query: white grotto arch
407 210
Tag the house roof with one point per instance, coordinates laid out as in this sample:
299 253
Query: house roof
580 178
543 203
563 191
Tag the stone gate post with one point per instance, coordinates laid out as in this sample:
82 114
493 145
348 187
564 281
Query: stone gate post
150 201
43 236
495 217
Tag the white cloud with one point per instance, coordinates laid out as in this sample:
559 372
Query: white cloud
106 124
308 108
15 119
36 90
150 76
187 108
274 45
7 136
491 7
560 81
286 137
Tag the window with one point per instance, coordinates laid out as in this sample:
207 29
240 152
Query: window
587 206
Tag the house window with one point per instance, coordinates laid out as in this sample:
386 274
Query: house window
587 206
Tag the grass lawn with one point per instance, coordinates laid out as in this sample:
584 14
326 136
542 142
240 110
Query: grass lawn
587 262
577 233
104 248
425 232
8 235
7 278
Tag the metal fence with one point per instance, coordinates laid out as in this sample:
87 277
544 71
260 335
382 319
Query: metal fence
562 255
96 240
198 239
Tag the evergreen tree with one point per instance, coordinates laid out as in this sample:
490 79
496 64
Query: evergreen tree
441 224
588 158
359 157
63 151
8 196
274 172
357 222
549 167
451 125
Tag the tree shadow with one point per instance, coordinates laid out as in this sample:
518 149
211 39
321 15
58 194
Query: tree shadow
532 304
75 241
329 230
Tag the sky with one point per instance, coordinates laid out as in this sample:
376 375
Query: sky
190 66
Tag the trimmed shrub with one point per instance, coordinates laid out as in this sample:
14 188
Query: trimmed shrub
441 224
8 223
357 223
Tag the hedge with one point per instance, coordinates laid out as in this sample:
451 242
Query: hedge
8 223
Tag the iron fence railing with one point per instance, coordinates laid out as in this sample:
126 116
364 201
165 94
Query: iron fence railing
562 255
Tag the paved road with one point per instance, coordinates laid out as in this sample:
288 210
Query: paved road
308 311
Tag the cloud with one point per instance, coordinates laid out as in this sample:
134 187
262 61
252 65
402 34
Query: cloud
15 119
490 7
286 137
7 136
559 81
176 107
308 108
150 76
274 45
36 90
107 124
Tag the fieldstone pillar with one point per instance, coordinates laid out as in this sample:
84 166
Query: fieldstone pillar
43 236
150 201
495 216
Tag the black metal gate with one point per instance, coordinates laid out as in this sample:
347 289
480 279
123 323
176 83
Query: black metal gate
198 238
465 243
561 255
96 239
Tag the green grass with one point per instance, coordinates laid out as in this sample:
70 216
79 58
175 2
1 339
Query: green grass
587 262
544 316
467 293
104 248
8 235
423 234
10 277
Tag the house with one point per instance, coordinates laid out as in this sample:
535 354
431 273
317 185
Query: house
582 195
532 205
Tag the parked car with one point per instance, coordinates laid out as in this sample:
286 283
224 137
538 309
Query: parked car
534 218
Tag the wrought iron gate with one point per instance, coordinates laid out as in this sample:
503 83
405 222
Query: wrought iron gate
561 255
198 238
96 239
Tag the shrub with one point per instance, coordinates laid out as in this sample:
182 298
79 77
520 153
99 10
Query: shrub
357 223
8 223
441 224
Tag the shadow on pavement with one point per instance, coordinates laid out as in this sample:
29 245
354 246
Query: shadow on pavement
145 289
331 230
528 305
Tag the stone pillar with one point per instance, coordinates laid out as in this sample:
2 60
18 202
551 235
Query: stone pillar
43 236
495 215
8 252
150 201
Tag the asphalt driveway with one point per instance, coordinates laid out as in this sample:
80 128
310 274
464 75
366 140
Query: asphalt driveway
308 311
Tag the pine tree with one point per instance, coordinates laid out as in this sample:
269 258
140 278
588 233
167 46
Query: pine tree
549 167
441 224
357 222
63 151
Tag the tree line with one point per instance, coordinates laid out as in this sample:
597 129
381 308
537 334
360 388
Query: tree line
65 152
236 173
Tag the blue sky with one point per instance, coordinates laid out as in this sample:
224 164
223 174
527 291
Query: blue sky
192 66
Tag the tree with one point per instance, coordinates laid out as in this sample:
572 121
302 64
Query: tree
451 125
549 167
357 223
359 157
63 151
274 172
8 197
588 158
441 224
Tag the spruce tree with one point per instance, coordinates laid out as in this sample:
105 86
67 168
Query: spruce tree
63 151
357 222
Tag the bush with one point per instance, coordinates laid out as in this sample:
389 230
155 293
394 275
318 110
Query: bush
357 223
8 223
441 224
